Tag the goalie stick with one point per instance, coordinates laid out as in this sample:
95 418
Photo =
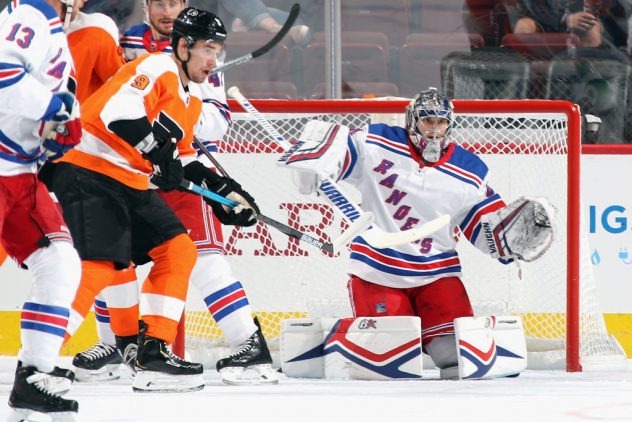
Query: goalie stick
332 248
374 236
268 46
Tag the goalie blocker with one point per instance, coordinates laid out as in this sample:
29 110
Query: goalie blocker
383 348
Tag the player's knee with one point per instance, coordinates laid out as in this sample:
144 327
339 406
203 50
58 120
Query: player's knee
211 272
443 352
180 249
56 271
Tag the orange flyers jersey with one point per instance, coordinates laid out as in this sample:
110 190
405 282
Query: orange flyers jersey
93 41
147 87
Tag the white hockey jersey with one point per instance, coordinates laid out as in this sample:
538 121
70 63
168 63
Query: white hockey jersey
215 119
34 63
403 193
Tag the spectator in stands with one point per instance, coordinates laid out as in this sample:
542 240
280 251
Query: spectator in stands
249 15
560 16
596 22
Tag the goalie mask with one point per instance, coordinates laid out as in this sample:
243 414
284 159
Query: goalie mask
428 122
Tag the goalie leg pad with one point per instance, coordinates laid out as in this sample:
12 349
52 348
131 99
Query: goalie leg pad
369 348
490 347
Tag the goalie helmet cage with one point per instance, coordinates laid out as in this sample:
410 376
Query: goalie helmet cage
532 148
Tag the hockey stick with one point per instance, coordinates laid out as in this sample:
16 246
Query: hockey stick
285 229
344 238
374 236
289 22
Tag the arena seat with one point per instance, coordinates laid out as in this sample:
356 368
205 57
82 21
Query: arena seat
390 17
361 62
275 65
265 89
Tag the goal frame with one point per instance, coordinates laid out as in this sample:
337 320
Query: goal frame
567 108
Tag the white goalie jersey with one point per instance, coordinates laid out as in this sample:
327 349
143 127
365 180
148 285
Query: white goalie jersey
402 194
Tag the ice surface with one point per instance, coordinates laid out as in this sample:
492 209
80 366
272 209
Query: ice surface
534 396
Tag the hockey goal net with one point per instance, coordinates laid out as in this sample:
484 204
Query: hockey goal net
531 147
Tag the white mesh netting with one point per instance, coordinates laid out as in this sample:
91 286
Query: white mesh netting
526 153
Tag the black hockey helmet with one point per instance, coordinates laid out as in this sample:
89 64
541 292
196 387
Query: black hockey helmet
196 24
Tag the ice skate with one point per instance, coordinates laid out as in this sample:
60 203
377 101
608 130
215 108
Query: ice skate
62 379
159 370
101 362
128 349
33 391
250 364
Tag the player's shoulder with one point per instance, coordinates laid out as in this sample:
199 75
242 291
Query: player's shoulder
467 164
94 22
136 31
156 64
389 138
36 12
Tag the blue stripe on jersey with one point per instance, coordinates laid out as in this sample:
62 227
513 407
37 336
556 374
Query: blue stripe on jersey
391 253
11 80
57 30
224 109
213 297
19 156
402 272
469 162
230 309
136 31
457 176
353 157
41 5
470 215
394 134
386 147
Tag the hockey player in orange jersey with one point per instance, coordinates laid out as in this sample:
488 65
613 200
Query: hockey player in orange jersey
93 39
222 292
132 125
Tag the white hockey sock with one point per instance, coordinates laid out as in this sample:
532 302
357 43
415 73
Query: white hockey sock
224 296
56 271
102 315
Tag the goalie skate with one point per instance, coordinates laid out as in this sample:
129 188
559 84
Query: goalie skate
158 370
250 364
101 362
33 392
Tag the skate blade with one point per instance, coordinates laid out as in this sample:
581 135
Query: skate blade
159 382
251 375
107 373
26 415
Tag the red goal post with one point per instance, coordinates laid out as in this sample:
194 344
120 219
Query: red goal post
496 129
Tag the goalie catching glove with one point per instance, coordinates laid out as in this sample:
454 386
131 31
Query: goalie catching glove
319 154
244 214
523 230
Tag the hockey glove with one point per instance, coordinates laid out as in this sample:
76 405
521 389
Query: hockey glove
62 130
168 173
243 214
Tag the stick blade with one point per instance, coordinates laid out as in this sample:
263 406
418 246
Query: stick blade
356 228
381 239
